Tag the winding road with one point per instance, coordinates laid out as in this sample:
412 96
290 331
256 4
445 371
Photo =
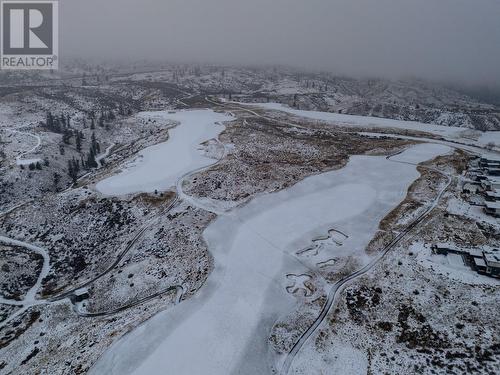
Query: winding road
19 159
333 294
341 284
30 299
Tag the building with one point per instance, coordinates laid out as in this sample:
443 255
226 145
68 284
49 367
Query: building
492 259
491 184
470 188
489 162
445 249
492 196
80 295
493 171
492 208
485 261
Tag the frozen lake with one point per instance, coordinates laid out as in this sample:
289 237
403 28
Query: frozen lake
160 166
225 327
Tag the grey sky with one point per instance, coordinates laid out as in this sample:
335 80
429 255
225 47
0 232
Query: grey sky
434 39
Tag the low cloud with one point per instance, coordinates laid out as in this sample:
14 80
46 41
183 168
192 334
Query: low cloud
448 40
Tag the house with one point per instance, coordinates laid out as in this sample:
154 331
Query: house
492 208
492 260
485 260
492 196
445 249
80 295
480 177
491 184
480 266
495 171
489 162
470 188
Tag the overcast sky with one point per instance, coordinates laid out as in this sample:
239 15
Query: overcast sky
457 40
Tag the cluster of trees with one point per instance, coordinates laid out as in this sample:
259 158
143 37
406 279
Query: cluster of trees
103 120
73 169
57 124
94 150
36 166
87 162
317 85
62 125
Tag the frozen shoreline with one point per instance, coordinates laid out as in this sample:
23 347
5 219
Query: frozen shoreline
226 325
158 167
449 132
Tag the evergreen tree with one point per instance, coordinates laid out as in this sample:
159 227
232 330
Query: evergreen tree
38 166
66 138
94 145
91 162
50 120
78 142
56 179
73 169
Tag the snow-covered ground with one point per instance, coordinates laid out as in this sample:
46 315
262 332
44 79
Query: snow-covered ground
451 266
449 132
158 167
20 158
30 297
365 121
225 327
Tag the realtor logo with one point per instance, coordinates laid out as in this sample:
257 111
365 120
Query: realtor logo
29 34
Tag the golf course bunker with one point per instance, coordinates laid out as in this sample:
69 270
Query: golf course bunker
224 328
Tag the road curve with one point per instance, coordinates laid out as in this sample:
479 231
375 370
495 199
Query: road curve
31 150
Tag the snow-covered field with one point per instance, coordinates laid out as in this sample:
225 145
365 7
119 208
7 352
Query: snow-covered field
365 121
158 167
449 132
225 327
